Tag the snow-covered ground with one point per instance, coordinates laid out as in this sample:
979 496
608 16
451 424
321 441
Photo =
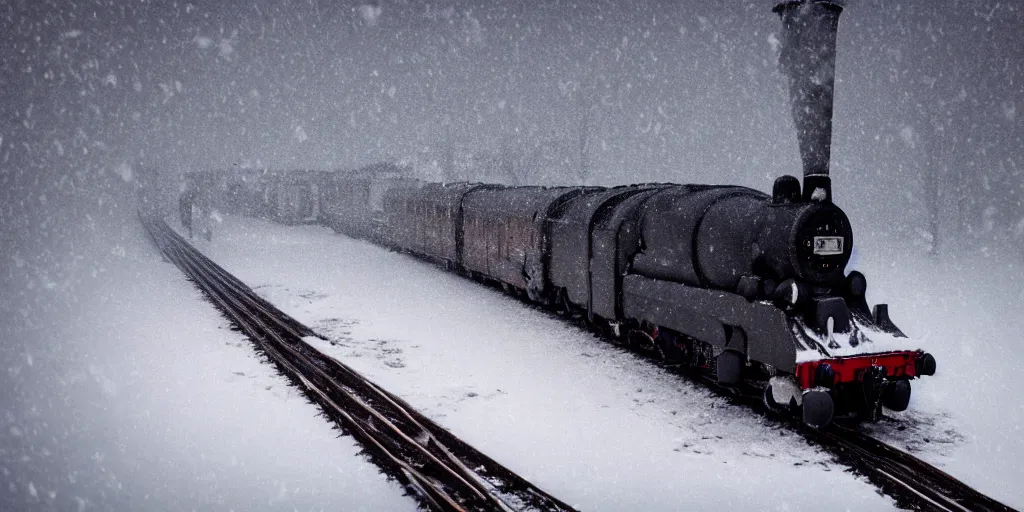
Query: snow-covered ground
967 310
124 390
595 426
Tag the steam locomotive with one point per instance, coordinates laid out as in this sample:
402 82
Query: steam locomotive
750 287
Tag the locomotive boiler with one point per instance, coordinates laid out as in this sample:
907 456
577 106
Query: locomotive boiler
747 286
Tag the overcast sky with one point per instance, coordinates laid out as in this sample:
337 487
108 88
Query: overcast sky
682 91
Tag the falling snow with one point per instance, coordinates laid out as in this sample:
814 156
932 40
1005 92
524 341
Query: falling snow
121 386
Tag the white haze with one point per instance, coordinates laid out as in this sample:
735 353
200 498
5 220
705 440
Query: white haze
95 96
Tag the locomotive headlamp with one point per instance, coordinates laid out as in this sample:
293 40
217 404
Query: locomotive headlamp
828 245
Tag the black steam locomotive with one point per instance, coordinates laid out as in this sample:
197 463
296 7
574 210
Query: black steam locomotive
750 286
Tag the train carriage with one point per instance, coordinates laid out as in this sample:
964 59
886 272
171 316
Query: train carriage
352 202
427 219
747 285
345 201
505 234
293 197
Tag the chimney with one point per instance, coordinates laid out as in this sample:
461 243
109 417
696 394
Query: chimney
808 60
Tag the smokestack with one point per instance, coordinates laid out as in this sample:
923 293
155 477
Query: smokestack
808 60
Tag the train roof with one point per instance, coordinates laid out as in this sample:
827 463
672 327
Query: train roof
376 171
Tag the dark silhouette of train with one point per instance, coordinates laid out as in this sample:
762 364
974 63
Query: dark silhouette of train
748 286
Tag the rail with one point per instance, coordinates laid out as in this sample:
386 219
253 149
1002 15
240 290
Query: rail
442 471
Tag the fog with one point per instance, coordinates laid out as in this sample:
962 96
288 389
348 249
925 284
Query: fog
96 94
926 99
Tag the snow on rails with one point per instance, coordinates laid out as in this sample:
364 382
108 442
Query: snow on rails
748 285
443 472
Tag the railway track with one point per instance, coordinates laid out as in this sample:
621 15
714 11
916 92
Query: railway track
441 471
910 481
913 483
446 473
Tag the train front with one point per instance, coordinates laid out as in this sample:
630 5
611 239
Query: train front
849 358
760 281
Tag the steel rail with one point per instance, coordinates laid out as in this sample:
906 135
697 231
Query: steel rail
902 473
910 481
431 462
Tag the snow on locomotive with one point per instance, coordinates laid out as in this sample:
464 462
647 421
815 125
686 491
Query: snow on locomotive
750 286
747 285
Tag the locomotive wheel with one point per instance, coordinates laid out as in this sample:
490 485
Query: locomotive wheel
729 366
623 334
787 407
770 403
642 341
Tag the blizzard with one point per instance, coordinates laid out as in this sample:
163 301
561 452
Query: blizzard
124 389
